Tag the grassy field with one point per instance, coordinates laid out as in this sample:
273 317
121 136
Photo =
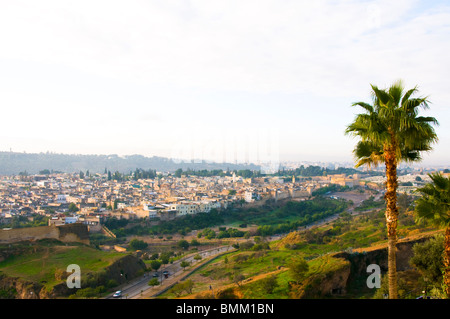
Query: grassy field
42 262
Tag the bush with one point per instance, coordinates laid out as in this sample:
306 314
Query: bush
184 244
428 259
269 284
185 286
246 245
298 269
153 282
137 244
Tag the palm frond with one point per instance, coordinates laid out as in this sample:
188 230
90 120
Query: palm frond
407 95
369 108
396 92
434 203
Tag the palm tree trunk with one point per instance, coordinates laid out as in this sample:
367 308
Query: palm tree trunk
447 261
391 218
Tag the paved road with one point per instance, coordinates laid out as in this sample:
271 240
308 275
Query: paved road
139 286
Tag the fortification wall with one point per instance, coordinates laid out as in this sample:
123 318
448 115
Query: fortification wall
66 233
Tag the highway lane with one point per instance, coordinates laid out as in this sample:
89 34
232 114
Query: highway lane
140 285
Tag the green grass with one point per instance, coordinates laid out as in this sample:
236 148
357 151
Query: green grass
254 290
42 264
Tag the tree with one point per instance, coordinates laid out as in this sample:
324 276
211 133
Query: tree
238 279
155 264
177 290
178 172
427 258
185 286
404 201
195 242
184 264
184 244
165 259
298 269
73 208
153 282
269 283
137 244
434 206
390 132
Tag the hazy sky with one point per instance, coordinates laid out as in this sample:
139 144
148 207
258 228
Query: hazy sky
223 80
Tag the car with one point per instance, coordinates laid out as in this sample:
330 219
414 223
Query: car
155 274
117 294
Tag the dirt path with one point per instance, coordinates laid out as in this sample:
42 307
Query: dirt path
247 281
408 238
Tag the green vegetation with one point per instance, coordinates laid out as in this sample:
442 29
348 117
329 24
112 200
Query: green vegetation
271 219
296 214
153 282
185 286
369 204
208 233
137 244
330 189
298 269
23 221
434 207
187 223
43 261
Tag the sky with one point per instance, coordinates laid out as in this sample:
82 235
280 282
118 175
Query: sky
234 81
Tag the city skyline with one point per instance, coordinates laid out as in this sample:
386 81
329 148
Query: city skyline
264 80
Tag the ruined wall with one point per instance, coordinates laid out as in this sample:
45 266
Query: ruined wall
361 260
66 233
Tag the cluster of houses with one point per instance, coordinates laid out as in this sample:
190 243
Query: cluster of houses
67 198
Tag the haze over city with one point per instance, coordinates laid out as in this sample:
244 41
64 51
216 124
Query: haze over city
224 81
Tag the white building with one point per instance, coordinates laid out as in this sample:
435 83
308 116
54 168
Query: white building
250 196
206 206
184 209
61 199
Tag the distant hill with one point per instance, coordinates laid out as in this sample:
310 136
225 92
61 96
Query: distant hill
14 163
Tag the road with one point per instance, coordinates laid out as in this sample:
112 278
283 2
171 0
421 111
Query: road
139 286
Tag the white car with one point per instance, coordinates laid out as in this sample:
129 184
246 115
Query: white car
117 294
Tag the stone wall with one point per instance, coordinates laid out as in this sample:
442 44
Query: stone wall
66 233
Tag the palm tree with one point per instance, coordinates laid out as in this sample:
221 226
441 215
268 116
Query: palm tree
434 206
390 131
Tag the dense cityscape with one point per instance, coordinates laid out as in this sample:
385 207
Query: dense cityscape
90 198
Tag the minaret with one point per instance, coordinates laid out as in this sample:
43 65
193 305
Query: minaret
293 179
